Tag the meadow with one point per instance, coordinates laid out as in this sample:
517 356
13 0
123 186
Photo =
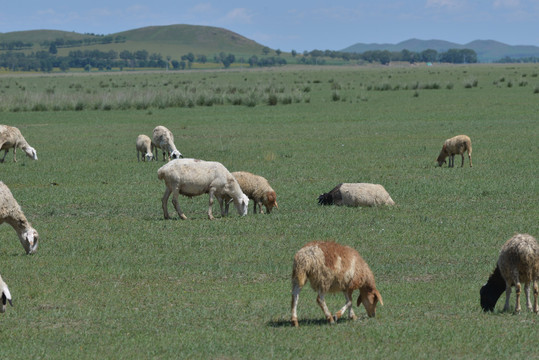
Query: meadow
113 279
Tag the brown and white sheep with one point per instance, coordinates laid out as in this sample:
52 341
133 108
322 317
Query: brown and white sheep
518 262
144 146
6 295
11 137
356 194
190 177
11 212
331 267
163 139
257 189
456 145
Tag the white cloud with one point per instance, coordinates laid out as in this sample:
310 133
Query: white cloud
238 15
448 4
506 3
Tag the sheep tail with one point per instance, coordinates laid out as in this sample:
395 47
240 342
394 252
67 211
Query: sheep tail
160 174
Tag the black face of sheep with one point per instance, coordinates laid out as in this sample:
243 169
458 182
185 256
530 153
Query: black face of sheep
492 290
176 155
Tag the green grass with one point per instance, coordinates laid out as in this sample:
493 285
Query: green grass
112 279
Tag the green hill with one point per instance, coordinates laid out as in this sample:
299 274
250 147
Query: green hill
486 50
171 40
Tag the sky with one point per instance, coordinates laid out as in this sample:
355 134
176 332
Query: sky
293 25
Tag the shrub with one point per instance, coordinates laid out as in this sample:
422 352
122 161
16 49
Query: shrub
272 100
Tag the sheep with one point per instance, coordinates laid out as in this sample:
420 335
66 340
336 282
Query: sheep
144 146
163 139
11 137
456 145
257 189
518 262
11 212
356 194
331 267
6 295
192 177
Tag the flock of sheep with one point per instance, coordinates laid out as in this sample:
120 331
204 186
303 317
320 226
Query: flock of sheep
328 267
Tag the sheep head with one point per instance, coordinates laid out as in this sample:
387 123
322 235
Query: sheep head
149 156
271 201
6 296
242 205
492 290
176 154
29 240
443 155
30 152
369 298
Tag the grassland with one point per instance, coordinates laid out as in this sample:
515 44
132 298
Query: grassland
112 279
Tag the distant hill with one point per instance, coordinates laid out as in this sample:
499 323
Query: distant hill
171 40
486 50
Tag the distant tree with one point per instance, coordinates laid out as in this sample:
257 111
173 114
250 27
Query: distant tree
278 52
266 50
52 49
429 55
202 59
294 53
175 64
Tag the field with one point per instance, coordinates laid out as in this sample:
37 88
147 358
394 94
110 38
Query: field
113 279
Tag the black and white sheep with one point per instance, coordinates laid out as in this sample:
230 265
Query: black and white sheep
330 267
11 212
11 137
190 177
144 147
456 145
356 194
258 189
6 295
163 139
518 262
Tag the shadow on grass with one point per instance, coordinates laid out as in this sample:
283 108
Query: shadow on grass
305 322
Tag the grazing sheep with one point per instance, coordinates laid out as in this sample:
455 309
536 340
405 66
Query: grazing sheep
6 296
11 212
144 146
356 194
518 262
11 137
257 189
163 139
192 177
456 145
331 267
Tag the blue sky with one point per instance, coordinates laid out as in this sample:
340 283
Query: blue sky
293 25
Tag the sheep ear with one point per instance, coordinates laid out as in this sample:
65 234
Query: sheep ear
379 297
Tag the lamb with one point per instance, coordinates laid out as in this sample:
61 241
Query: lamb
257 189
192 177
331 267
356 194
518 262
144 146
6 295
456 145
11 137
163 139
11 212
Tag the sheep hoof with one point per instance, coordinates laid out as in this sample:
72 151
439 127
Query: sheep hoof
295 323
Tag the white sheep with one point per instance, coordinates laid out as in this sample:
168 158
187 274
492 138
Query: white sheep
257 189
518 262
356 194
331 267
11 137
6 295
191 177
11 212
456 145
163 139
144 146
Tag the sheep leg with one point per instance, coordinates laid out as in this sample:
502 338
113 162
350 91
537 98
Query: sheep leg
470 158
15 154
176 204
507 296
138 156
452 160
164 202
347 306
535 294
528 300
322 303
210 211
462 162
260 207
295 296
224 210
5 153
517 290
